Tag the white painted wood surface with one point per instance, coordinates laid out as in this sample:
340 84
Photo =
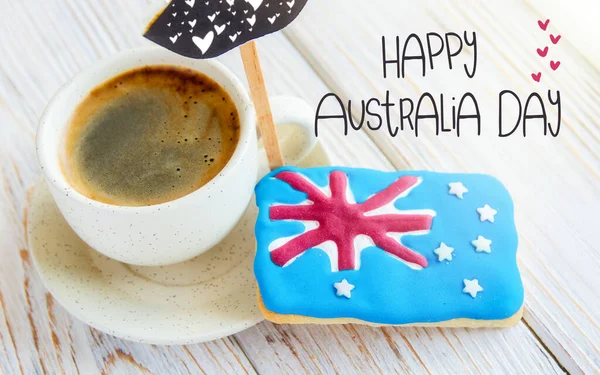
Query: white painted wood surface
335 46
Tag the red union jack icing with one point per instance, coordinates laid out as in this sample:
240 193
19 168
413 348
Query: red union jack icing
342 222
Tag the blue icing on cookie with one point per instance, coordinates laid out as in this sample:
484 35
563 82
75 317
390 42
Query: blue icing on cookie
386 290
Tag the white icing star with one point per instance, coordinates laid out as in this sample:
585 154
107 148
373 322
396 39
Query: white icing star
487 213
458 189
444 252
343 289
472 287
482 244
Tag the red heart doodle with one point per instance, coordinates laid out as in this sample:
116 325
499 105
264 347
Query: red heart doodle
543 52
554 39
554 65
543 25
536 77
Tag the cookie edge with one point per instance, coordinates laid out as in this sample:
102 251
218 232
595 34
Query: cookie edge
452 323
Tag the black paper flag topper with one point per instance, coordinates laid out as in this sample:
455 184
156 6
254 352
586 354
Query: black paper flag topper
204 29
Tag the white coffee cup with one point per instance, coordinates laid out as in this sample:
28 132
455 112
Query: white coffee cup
181 229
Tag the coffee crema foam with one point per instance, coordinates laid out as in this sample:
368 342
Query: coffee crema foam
149 136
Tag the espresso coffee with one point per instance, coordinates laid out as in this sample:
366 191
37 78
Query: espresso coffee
149 136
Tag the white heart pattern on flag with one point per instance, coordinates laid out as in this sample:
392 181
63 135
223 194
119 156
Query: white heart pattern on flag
208 28
219 29
255 3
204 43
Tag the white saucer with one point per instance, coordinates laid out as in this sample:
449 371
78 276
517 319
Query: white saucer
206 298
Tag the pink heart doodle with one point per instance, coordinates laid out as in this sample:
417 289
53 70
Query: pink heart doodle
543 52
554 39
536 77
543 25
554 64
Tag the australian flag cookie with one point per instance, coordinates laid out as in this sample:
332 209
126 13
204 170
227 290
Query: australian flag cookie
347 245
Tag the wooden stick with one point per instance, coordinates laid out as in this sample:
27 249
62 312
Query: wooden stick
258 91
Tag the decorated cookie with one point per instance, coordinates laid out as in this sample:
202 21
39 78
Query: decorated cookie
338 245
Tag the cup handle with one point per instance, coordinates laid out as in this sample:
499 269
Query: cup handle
294 120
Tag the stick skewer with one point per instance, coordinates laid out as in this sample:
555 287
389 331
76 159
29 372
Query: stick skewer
258 91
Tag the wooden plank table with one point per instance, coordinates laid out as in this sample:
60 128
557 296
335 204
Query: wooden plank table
335 46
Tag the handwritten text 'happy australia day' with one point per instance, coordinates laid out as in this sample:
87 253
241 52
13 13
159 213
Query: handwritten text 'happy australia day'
515 114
